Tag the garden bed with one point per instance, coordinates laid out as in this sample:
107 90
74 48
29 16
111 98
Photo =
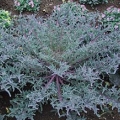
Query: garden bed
46 9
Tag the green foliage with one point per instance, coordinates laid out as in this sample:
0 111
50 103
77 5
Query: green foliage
62 58
27 5
93 2
5 20
74 116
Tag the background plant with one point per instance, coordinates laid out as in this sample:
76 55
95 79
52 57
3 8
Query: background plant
5 19
93 2
63 61
112 17
27 5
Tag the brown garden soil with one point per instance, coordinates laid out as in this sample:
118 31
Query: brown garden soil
46 9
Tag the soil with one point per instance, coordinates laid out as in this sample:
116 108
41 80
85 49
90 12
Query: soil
46 9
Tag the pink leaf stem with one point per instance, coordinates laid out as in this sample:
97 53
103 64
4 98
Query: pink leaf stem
50 81
58 87
60 80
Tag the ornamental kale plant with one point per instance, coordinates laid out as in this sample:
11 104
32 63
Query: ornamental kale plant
28 5
64 59
93 2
